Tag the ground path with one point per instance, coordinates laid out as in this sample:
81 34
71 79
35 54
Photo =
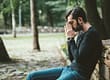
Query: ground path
27 60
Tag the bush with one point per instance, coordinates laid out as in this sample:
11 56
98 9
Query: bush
64 48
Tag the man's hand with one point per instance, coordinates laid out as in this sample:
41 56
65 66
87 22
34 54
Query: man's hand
69 32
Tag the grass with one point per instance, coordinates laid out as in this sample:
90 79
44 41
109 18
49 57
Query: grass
22 44
17 38
64 48
25 41
41 35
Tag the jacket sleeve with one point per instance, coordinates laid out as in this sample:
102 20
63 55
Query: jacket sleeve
69 53
71 47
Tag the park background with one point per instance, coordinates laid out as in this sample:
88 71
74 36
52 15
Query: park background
31 34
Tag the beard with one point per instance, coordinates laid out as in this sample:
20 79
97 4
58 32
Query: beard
78 28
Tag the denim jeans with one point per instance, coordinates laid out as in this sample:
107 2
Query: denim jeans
59 73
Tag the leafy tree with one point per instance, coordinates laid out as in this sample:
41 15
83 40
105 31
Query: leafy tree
6 11
56 8
48 12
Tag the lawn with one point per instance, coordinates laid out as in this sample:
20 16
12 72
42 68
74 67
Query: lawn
20 48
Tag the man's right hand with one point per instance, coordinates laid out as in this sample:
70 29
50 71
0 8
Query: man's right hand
69 32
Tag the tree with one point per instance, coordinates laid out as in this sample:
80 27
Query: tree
4 57
55 8
94 17
102 23
106 16
13 19
34 24
20 14
6 11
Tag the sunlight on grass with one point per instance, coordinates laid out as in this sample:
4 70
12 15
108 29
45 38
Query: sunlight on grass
41 35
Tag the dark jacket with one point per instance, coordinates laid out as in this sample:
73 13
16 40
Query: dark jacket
86 52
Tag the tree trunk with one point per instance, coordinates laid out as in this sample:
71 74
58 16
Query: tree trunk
34 25
106 16
4 57
101 26
94 18
50 17
20 15
13 20
5 18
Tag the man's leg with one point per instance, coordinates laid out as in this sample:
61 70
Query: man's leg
69 74
48 74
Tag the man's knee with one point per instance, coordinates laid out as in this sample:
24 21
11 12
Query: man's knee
30 76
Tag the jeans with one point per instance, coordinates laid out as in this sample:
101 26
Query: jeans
60 73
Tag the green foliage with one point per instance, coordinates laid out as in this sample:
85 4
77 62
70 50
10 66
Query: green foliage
64 48
74 3
4 6
49 11
98 3
57 9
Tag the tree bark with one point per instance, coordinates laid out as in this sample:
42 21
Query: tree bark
50 17
5 18
20 15
106 16
13 20
94 18
34 25
4 57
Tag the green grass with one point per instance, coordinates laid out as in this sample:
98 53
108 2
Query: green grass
41 36
64 48
17 38
47 35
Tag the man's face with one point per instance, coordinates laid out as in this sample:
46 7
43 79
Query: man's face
74 23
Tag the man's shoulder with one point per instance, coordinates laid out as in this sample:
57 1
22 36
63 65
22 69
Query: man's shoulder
93 31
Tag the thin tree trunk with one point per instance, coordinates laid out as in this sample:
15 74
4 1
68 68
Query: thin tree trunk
4 57
13 20
34 25
5 18
50 18
20 16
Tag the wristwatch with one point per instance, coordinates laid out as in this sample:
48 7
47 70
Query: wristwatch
70 38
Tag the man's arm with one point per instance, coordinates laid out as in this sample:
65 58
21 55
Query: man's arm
71 47
69 52
70 41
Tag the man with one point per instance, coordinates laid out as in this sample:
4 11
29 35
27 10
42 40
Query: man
84 53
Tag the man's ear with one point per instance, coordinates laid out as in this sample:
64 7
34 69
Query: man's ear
80 20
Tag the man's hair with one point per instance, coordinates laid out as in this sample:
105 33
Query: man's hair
67 14
77 12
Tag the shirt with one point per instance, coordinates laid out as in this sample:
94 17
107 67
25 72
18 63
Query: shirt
86 52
